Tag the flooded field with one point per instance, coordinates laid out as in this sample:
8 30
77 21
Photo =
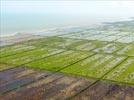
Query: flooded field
28 84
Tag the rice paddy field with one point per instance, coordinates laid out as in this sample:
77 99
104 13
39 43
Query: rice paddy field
77 65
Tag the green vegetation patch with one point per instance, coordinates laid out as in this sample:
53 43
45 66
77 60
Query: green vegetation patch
5 66
26 57
44 41
59 61
95 66
52 42
127 50
10 50
124 72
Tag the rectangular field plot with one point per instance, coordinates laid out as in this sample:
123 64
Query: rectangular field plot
4 66
59 61
81 34
127 50
107 91
21 76
40 85
109 48
95 37
110 38
95 66
107 32
52 42
124 33
89 36
123 73
126 39
67 43
10 50
87 45
45 41
100 35
25 57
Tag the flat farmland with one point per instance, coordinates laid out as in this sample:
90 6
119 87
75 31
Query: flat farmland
124 72
96 66
25 57
53 41
60 61
127 50
11 50
72 66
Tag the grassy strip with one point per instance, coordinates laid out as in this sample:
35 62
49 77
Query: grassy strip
124 72
5 66
57 62
94 66
22 58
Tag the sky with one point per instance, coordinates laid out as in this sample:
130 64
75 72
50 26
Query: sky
76 8
80 6
15 13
